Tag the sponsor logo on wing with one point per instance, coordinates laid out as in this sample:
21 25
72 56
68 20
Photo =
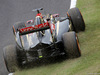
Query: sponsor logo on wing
32 28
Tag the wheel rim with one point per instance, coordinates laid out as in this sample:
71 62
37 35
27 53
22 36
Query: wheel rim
73 28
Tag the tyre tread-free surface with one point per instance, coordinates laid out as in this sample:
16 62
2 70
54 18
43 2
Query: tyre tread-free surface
71 45
77 19
10 58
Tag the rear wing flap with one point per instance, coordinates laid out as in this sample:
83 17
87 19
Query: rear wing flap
35 28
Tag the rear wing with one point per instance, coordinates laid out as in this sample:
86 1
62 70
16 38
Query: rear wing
35 28
38 9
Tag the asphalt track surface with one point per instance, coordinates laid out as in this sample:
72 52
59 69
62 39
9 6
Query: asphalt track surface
12 11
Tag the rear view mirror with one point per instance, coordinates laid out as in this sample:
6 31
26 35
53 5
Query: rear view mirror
55 15
30 21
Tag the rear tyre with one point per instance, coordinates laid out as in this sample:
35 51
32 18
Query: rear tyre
71 45
76 19
10 58
18 25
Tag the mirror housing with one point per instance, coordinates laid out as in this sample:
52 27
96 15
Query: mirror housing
30 21
55 15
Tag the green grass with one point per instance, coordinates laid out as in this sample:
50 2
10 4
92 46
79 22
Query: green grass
89 62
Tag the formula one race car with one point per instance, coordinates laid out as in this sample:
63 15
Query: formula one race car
49 36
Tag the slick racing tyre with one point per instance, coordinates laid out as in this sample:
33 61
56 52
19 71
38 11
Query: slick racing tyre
10 58
76 19
71 45
18 25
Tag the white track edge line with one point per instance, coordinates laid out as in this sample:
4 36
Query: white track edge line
73 3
